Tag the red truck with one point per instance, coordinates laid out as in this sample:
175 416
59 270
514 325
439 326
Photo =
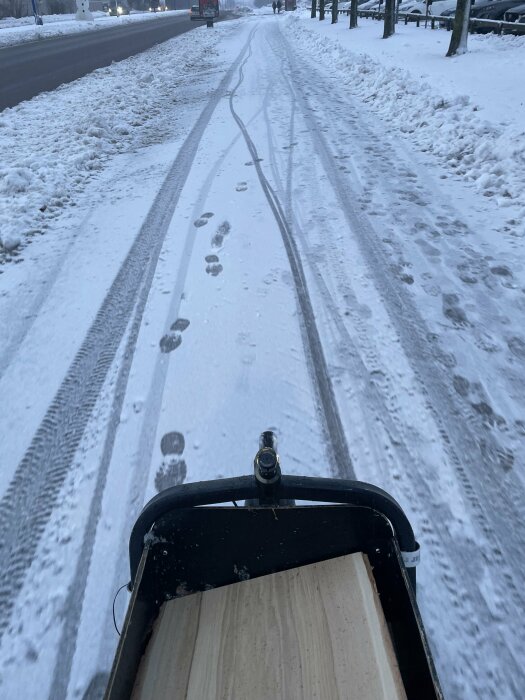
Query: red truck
209 9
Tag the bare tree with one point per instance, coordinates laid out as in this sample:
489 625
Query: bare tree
458 40
334 12
321 10
390 18
314 8
353 14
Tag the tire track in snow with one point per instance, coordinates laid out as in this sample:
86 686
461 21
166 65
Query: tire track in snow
142 460
459 443
443 547
30 498
413 333
333 428
76 593
360 372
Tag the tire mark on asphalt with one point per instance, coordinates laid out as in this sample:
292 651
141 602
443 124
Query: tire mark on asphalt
333 427
30 498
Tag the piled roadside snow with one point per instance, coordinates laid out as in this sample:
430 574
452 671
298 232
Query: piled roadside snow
19 31
50 145
443 122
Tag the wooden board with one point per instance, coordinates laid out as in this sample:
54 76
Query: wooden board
317 631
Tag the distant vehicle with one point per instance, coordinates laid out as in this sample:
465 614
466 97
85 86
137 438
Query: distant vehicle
487 9
417 7
195 12
493 9
117 8
371 5
515 14
209 9
157 5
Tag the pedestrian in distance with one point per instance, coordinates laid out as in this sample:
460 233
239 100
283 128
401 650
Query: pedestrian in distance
274 6
279 5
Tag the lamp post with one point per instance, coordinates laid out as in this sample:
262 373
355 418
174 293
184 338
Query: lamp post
38 18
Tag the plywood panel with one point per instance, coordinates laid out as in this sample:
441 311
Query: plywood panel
317 631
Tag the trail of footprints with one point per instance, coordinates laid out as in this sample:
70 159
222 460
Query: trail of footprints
172 470
173 339
213 266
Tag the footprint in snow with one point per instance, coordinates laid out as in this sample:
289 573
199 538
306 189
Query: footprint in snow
214 270
172 443
223 230
173 339
453 311
172 470
203 219
213 267
180 325
170 342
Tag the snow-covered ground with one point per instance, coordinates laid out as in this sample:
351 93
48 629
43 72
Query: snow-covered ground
17 31
145 289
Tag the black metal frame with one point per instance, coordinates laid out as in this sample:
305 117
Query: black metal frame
183 543
301 488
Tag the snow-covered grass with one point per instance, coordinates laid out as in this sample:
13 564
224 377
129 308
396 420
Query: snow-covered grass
18 31
469 111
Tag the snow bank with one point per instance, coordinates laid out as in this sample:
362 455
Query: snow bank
50 145
425 99
18 31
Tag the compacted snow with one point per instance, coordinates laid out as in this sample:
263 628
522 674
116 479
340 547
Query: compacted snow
280 223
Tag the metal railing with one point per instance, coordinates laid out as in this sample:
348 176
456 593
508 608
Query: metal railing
493 25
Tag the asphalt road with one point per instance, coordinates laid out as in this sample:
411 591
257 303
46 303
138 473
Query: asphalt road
30 68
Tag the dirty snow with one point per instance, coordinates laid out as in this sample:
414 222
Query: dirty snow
18 31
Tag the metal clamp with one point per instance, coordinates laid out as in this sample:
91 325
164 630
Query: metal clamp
411 559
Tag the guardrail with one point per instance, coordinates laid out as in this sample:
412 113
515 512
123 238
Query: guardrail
492 25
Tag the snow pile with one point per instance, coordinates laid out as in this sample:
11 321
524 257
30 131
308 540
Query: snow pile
50 145
441 121
18 31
